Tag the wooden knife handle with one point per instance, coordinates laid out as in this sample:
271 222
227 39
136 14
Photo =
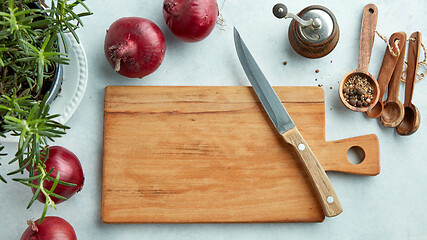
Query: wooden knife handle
320 181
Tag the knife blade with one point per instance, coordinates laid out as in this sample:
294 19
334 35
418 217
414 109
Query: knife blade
286 127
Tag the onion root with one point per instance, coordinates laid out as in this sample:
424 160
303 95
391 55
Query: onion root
117 65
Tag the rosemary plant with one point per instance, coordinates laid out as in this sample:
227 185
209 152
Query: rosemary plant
30 33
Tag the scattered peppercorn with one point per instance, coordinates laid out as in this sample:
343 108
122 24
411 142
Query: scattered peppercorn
317 71
358 91
284 63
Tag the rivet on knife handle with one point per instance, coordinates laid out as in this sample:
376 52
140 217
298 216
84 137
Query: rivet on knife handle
286 127
323 187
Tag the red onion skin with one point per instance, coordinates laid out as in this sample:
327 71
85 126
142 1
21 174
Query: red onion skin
137 44
52 228
190 20
70 170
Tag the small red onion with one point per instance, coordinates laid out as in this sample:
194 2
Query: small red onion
190 20
70 171
134 46
52 228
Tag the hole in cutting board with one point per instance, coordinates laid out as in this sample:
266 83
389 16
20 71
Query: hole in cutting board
355 155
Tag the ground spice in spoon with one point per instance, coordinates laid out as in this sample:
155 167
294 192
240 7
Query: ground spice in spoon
358 91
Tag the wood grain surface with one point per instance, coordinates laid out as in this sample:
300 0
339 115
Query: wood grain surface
367 36
387 68
316 174
211 154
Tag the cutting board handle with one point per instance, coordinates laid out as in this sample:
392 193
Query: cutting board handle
370 165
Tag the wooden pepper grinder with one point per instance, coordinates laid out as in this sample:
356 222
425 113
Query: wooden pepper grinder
313 33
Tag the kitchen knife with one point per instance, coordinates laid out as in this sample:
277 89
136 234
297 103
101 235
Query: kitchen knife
286 127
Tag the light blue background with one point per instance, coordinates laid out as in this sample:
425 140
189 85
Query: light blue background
388 206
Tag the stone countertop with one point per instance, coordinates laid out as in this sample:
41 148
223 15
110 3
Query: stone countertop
388 206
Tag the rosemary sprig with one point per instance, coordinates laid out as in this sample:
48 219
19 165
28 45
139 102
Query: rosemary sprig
35 130
30 37
29 41
2 154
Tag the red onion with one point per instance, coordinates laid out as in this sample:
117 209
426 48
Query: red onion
52 228
190 20
70 171
134 46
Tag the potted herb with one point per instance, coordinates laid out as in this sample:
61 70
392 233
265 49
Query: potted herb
30 63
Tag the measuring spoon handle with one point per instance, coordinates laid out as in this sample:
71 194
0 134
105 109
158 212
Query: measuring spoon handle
394 86
367 36
389 63
411 71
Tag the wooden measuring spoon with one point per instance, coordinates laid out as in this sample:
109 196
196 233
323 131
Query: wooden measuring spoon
386 71
411 120
394 110
367 36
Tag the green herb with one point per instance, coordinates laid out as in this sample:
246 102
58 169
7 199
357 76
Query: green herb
30 37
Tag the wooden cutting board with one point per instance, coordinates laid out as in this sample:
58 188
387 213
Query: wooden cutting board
211 154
